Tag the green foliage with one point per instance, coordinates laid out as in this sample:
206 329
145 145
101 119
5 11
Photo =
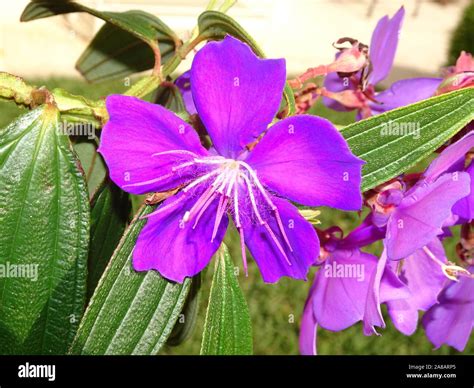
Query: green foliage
130 312
44 226
227 329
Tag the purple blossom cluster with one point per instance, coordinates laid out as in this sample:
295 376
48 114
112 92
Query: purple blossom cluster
258 168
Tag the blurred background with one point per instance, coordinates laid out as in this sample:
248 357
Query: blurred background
45 51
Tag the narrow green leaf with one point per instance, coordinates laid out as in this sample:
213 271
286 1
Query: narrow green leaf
130 312
216 25
433 122
227 329
186 322
44 227
110 208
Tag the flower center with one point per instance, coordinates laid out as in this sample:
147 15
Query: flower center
225 180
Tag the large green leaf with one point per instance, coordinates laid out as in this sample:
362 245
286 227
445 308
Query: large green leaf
433 122
116 53
110 209
44 224
126 44
227 329
130 312
216 25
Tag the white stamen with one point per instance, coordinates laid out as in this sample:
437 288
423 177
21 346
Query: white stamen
451 271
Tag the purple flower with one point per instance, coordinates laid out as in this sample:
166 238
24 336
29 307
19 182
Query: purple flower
358 91
338 296
183 82
451 320
417 220
246 175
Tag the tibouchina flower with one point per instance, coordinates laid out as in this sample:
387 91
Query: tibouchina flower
358 92
414 221
303 159
338 296
451 320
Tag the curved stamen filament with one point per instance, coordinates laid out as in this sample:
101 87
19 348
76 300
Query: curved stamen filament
451 271
176 152
240 229
269 201
150 181
201 179
260 219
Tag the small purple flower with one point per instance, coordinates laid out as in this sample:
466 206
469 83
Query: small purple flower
357 92
183 82
451 320
246 175
338 296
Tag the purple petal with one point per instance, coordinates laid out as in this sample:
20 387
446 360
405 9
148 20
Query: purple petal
373 313
308 328
451 159
365 234
135 131
405 92
175 248
301 235
384 45
404 316
464 208
304 158
236 93
423 276
451 321
421 215
183 82
340 289
334 83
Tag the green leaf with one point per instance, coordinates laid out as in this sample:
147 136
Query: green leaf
227 329
130 312
170 97
188 317
216 25
437 119
110 208
116 53
92 163
44 225
128 43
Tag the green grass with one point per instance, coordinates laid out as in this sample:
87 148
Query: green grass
275 309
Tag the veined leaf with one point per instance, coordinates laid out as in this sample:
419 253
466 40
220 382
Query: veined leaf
126 44
227 329
424 127
130 312
110 208
44 236
186 322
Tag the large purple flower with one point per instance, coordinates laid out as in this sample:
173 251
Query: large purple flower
303 158
358 92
